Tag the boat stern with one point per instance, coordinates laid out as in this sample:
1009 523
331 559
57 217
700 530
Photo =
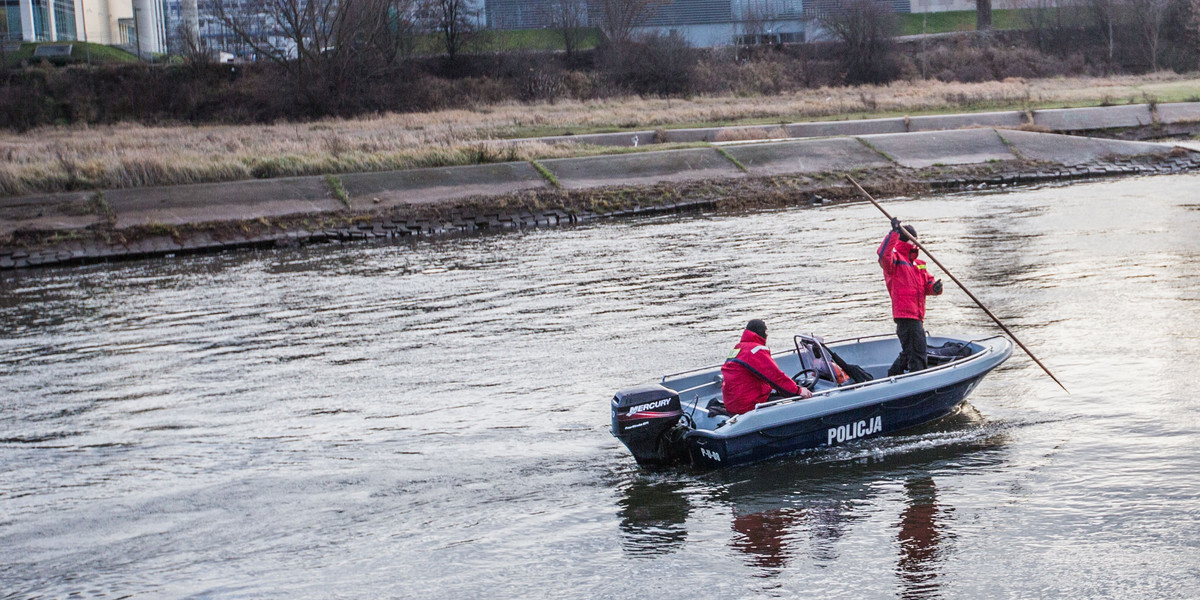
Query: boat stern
643 418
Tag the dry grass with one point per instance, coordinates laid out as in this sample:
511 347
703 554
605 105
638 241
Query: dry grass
55 159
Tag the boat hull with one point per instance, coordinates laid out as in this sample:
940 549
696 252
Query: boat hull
710 451
839 412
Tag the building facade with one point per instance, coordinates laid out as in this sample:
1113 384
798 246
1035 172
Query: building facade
702 23
136 25
39 20
101 21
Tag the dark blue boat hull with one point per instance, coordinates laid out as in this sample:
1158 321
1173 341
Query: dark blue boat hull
711 451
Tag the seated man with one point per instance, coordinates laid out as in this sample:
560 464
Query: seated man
750 374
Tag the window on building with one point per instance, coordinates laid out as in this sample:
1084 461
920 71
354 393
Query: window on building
39 20
64 19
10 20
126 27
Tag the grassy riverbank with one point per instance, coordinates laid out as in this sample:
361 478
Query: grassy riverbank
123 156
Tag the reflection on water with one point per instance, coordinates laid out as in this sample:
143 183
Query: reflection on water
919 539
762 536
801 508
653 517
429 419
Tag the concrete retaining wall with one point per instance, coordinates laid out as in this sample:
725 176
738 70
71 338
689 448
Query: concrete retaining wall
457 221
372 194
1061 120
642 169
49 212
806 156
860 127
1179 112
1069 150
721 134
1086 119
626 139
205 202
1011 118
423 186
925 149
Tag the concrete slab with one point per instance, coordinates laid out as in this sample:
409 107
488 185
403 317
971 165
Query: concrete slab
859 127
925 149
642 169
1084 119
208 202
727 134
422 186
626 139
1010 118
1179 112
1074 150
48 212
806 156
1067 119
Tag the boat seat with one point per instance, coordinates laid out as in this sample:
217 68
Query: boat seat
716 408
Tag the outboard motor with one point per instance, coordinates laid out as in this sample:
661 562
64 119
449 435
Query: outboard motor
643 418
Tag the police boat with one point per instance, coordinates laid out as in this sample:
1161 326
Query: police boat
680 420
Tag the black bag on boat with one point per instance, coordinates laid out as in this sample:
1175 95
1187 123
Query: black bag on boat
940 355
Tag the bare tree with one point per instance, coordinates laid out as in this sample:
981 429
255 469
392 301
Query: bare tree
454 21
570 18
758 22
1051 24
865 28
618 18
1105 14
377 33
192 48
1149 17
327 47
1193 9
290 33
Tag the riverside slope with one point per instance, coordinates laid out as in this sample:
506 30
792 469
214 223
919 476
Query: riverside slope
90 226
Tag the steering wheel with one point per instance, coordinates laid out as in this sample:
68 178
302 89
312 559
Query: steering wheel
806 378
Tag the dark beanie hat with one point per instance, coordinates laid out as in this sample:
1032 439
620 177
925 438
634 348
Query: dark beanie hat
912 232
757 326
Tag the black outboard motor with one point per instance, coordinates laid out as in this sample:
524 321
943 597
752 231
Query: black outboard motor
642 418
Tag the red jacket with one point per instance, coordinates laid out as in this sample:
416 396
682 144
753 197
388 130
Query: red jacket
748 375
907 280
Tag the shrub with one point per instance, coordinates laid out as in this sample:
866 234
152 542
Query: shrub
654 65
865 29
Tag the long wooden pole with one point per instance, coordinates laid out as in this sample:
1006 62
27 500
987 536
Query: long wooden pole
964 289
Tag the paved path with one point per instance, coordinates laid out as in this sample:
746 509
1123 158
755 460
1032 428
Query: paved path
1066 120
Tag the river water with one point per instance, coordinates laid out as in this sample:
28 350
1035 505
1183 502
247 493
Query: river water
430 419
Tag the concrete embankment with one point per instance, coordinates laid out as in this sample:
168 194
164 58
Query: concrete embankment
1075 121
85 227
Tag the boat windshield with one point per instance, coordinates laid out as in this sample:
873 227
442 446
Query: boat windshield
813 355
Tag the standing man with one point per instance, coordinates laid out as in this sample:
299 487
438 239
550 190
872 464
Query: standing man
908 282
750 373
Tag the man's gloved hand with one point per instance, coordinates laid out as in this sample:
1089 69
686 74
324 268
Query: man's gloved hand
896 224
937 287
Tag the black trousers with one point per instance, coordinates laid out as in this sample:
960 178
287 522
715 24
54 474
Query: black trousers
912 347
